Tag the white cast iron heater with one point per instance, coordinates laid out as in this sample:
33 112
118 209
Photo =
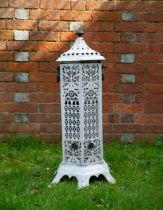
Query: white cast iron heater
81 110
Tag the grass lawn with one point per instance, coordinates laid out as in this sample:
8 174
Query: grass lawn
27 167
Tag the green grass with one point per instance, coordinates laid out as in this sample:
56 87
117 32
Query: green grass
27 167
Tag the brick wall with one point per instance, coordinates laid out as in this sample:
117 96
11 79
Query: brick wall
128 33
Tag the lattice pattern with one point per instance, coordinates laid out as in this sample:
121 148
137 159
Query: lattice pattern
72 152
81 102
92 151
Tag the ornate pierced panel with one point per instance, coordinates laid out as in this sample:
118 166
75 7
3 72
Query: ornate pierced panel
72 150
92 145
72 116
70 76
72 127
81 103
92 152
91 74
91 115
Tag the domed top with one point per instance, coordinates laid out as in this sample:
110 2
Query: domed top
80 52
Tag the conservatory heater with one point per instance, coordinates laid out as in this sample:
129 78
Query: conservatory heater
81 110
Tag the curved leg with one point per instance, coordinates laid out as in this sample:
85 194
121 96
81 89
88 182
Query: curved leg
109 177
57 178
83 181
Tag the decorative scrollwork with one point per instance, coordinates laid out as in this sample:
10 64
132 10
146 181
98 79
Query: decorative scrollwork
81 106
72 152
90 74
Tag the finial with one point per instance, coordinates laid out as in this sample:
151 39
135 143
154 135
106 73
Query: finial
78 28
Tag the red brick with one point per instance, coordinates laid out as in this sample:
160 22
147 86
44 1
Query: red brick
91 5
111 58
107 108
111 98
22 45
153 48
153 27
70 36
49 87
154 69
6 118
152 129
142 37
24 3
22 24
125 68
6 13
23 127
98 26
106 37
107 128
47 66
156 99
22 66
30 108
2 45
111 78
75 15
130 27
127 88
6 97
50 128
6 56
43 56
153 89
149 38
102 47
149 58
77 5
42 77
150 17
154 5
114 118
108 88
153 108
55 4
4 3
49 108
22 87
128 108
129 48
126 128
106 16
2 107
3 24
3 87
3 66
149 138
133 5
6 76
4 127
44 98
44 14
47 36
53 25
6 35
140 79
153 79
45 118
50 137
149 119
53 46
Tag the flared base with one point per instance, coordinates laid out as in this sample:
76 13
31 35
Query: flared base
83 173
